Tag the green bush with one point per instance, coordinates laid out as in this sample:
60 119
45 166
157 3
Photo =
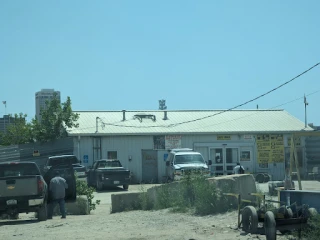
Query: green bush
83 189
312 231
193 193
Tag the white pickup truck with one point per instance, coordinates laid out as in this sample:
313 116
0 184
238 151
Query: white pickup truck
185 159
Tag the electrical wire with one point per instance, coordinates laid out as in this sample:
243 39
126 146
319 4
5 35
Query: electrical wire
221 112
256 98
254 113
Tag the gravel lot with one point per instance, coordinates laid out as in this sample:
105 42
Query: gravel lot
131 225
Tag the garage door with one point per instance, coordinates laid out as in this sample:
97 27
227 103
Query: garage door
149 166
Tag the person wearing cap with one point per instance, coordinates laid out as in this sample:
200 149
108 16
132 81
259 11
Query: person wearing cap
58 185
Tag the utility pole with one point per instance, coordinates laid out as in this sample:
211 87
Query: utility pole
4 116
305 110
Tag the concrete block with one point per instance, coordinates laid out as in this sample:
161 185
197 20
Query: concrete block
80 207
125 201
242 184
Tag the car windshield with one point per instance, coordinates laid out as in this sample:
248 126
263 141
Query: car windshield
188 158
63 160
15 170
109 164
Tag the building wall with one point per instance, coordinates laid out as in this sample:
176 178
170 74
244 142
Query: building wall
41 97
5 121
129 151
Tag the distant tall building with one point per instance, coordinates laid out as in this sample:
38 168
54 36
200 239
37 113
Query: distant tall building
41 98
5 121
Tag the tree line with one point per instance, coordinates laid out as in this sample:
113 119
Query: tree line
56 117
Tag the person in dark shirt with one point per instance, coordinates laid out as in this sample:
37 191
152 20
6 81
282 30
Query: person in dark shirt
58 185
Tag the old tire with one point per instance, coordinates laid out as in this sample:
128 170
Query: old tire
249 219
42 213
312 212
286 212
270 226
266 178
260 178
126 186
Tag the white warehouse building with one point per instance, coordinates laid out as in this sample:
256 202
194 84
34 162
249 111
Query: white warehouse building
258 139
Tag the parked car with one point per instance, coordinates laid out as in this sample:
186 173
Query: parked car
107 173
185 159
79 169
23 189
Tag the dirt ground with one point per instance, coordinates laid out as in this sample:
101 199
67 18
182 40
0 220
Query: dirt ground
133 225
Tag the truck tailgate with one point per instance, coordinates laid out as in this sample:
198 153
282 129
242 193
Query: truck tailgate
18 186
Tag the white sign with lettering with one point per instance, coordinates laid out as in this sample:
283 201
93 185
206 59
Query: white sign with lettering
173 141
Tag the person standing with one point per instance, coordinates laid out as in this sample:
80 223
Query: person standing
58 186
238 169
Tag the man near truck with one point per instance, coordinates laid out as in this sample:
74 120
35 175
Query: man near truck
58 185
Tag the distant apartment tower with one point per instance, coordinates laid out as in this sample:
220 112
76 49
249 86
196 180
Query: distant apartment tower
41 98
5 121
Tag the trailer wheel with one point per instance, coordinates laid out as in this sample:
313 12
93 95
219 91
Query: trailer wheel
249 219
270 226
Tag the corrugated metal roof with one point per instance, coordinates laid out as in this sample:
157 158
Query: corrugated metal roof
187 121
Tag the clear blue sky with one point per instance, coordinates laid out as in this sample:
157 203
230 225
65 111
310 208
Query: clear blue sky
114 55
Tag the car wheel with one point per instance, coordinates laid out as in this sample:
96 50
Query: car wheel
42 213
126 187
98 185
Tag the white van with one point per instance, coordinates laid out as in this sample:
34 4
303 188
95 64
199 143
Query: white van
185 159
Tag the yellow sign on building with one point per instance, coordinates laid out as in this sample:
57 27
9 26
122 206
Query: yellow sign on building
270 148
223 137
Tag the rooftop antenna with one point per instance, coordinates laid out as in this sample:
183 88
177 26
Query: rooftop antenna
162 104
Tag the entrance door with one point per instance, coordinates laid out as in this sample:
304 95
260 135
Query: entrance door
149 166
217 157
224 160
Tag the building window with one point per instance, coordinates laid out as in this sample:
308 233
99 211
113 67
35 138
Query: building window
263 165
112 155
159 142
245 156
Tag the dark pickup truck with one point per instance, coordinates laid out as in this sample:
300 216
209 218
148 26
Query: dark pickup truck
107 173
23 189
79 169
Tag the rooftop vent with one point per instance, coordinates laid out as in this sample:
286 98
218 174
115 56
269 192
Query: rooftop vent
123 115
144 116
165 116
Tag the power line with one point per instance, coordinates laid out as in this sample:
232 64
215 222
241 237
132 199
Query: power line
254 113
256 98
223 111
